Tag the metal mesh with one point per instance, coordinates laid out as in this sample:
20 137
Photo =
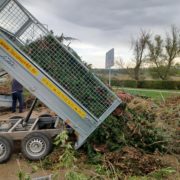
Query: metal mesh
12 17
62 66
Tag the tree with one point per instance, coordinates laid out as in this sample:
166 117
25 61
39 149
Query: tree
139 51
162 53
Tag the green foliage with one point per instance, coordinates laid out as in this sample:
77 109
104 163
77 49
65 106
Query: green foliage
131 129
111 173
93 157
63 155
145 135
162 173
105 173
163 51
35 168
72 175
138 178
61 139
148 84
67 159
109 133
46 163
124 83
100 169
23 175
159 84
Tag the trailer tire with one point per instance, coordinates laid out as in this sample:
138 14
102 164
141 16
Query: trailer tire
36 146
6 149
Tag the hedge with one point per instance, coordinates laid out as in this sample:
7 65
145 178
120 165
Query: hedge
148 84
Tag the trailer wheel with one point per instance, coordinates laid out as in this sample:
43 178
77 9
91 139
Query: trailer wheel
6 148
36 146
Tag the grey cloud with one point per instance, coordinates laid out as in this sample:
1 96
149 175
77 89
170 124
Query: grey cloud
107 23
107 15
120 18
111 14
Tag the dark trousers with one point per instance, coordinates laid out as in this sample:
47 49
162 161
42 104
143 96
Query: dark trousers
17 96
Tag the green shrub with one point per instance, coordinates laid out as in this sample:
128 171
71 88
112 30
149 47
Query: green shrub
148 84
125 83
159 84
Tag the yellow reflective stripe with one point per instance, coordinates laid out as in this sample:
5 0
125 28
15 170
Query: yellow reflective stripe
18 57
33 70
63 97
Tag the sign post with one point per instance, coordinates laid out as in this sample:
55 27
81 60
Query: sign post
110 62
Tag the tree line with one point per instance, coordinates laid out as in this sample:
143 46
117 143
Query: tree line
156 51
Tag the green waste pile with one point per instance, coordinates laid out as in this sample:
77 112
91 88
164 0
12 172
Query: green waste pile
132 142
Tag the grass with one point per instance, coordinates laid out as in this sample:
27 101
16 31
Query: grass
154 94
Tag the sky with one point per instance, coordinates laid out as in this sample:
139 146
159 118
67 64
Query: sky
100 25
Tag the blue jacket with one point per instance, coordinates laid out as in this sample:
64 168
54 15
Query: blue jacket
16 86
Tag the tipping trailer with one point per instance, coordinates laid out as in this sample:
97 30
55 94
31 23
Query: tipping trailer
54 74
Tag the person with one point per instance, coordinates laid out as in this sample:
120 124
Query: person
17 95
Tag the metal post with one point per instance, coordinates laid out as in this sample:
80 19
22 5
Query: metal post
30 112
1 75
109 76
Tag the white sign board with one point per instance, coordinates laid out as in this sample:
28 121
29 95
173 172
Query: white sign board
110 58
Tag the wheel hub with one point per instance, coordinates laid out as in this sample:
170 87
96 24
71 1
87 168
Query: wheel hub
35 147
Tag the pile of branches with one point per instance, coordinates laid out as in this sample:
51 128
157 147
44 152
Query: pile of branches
130 140
132 161
130 129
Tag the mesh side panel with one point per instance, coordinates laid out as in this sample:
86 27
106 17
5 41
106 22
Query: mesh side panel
32 33
12 18
63 67
69 73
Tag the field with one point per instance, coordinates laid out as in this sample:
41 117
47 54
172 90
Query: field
150 93
121 74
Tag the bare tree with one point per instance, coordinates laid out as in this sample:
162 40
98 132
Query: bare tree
139 53
162 53
121 64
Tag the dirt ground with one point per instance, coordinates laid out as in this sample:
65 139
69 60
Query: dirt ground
36 113
9 170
